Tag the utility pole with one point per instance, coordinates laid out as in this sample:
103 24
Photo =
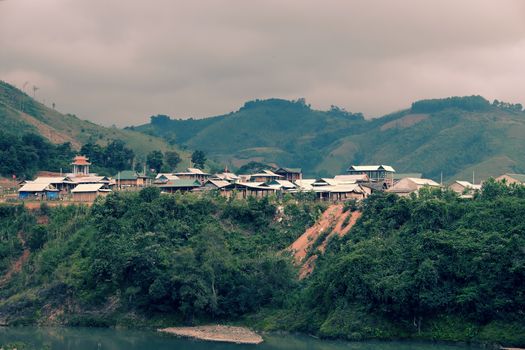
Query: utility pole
473 178
441 179
34 91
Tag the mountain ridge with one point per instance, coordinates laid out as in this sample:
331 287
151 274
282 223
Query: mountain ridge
454 136
21 114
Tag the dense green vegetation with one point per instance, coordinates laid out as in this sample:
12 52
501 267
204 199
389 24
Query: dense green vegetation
431 267
23 156
454 136
434 267
20 114
144 256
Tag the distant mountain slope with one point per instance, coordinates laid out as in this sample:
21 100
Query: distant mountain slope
19 114
453 136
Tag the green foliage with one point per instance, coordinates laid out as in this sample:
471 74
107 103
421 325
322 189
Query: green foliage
470 103
155 160
157 255
198 159
111 158
172 159
24 155
453 136
20 114
411 262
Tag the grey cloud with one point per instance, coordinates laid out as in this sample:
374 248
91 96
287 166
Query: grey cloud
122 61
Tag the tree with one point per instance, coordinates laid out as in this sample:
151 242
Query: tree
118 156
155 160
172 159
198 158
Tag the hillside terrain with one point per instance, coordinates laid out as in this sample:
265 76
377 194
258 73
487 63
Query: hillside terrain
453 136
429 267
21 114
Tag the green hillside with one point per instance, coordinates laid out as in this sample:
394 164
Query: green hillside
453 136
20 114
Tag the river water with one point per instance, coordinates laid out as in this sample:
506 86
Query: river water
110 339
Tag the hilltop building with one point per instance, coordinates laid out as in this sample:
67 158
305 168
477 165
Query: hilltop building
38 191
512 179
89 192
80 165
374 172
410 185
131 178
193 174
464 187
290 174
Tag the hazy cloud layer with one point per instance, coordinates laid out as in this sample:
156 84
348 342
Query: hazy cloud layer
122 61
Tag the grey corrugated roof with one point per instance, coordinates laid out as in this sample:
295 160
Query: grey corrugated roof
36 187
87 188
182 183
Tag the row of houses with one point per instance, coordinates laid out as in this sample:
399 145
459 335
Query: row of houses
358 183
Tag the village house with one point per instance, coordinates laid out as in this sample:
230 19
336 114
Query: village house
62 183
464 188
283 185
225 188
91 179
255 189
305 185
180 185
512 179
400 176
290 174
89 192
38 191
265 176
374 172
163 178
131 178
341 192
226 176
193 174
357 178
410 185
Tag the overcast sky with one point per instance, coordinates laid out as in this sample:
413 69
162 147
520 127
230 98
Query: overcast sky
119 62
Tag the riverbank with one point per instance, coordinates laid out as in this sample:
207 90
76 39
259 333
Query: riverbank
218 333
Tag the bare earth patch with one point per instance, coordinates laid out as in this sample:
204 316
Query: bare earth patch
334 219
49 133
229 334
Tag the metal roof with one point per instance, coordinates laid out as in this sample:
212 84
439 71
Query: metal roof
387 168
48 180
519 177
219 183
305 184
290 170
181 183
351 178
468 185
87 188
36 187
89 179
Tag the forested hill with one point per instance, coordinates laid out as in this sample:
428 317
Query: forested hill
20 114
35 137
428 267
455 136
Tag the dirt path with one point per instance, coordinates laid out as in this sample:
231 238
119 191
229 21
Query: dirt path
334 219
16 267
230 334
